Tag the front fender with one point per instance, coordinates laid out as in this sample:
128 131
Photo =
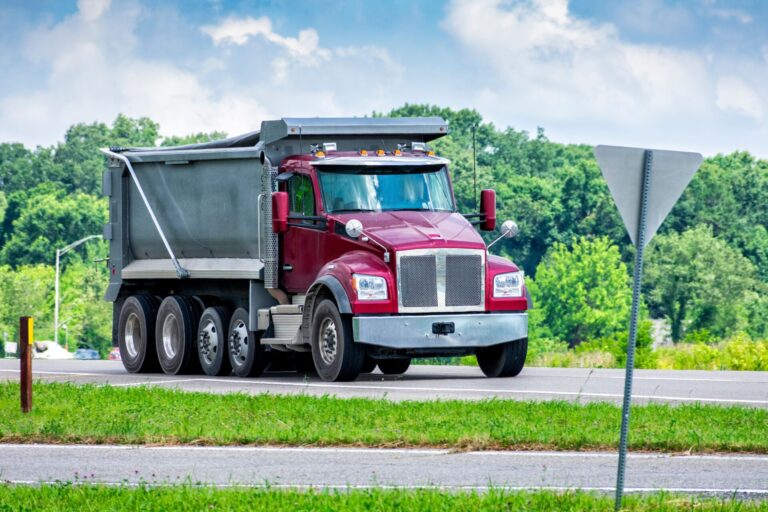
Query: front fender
361 262
336 288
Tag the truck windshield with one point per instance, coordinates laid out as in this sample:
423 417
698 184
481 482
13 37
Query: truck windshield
376 189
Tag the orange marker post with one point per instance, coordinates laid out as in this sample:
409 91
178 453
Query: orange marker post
26 338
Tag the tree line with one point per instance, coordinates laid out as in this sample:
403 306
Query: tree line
707 270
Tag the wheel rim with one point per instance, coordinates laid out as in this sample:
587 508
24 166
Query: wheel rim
132 335
329 341
238 343
171 336
209 342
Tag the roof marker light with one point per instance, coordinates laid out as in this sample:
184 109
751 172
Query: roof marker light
397 152
320 154
380 152
430 153
363 152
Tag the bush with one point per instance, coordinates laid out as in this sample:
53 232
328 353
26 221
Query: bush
581 293
737 353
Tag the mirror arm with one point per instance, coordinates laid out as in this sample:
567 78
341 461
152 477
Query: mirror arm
494 242
366 238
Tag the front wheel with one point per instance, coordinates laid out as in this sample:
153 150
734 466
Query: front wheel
337 357
505 360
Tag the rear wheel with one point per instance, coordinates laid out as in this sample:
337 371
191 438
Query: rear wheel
505 360
394 366
246 355
136 334
337 357
212 341
175 333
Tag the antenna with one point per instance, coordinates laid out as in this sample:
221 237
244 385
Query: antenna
474 161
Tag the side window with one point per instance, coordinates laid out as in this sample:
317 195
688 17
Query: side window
301 196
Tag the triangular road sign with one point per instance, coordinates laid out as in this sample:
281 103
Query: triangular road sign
623 170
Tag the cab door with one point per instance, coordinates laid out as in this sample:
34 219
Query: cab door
301 258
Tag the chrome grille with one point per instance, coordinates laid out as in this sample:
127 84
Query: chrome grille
463 280
441 280
419 281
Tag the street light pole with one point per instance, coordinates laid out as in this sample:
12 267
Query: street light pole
59 254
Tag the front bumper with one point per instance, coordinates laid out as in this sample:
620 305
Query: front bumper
415 331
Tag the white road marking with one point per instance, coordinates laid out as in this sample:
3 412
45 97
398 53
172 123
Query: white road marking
592 376
385 451
468 390
389 388
149 382
36 372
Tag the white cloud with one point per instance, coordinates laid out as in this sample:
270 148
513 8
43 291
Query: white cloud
88 74
731 14
550 68
238 31
93 75
91 10
733 94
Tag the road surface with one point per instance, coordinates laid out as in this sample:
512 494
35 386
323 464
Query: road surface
740 476
441 382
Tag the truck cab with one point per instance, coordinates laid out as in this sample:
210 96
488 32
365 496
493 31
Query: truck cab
363 258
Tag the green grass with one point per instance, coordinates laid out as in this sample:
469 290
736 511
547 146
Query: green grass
146 498
95 414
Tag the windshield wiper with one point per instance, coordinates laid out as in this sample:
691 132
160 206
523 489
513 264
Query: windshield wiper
348 210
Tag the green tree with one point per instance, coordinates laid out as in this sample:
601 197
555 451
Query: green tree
582 293
26 291
697 281
79 154
87 316
195 138
51 220
3 207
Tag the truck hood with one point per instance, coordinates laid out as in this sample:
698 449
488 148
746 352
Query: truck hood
412 229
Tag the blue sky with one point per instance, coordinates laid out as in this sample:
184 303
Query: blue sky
653 73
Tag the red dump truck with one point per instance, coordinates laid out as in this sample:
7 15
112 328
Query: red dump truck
333 245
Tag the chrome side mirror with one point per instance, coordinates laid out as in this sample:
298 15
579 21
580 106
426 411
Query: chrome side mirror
509 229
354 228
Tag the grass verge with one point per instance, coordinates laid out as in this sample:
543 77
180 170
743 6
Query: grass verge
65 413
93 497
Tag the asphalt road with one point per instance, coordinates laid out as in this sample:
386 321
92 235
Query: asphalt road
433 382
742 476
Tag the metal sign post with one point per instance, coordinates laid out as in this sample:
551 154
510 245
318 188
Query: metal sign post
645 184
632 342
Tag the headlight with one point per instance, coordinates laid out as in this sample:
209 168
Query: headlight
369 287
508 285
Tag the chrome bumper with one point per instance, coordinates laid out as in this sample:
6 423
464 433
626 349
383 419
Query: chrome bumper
470 330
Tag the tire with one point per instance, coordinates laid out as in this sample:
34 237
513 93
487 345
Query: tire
175 334
369 365
337 357
505 360
246 355
212 342
394 366
136 334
